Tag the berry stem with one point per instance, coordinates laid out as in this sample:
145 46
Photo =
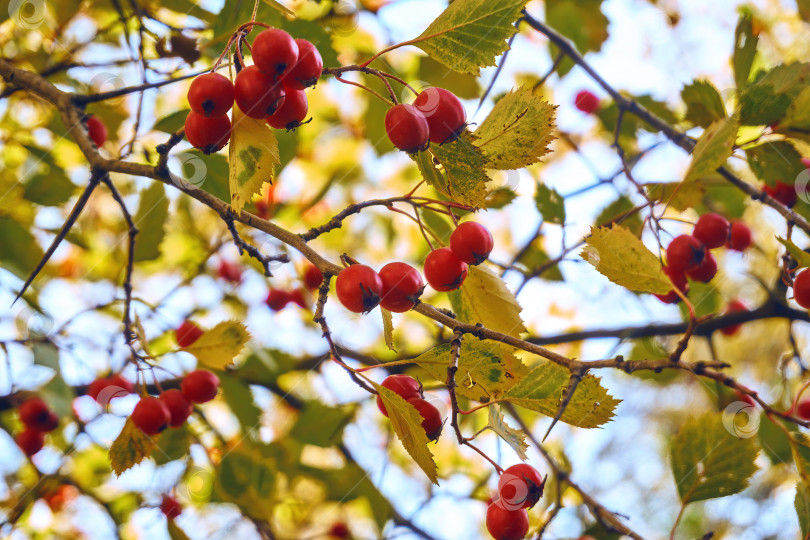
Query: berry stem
364 87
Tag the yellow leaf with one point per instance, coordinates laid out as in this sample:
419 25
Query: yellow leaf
281 8
484 298
464 165
713 148
130 448
253 156
388 328
513 437
217 347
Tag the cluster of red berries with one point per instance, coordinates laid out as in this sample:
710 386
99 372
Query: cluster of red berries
173 407
272 89
689 255
411 391
277 299
519 488
38 420
436 116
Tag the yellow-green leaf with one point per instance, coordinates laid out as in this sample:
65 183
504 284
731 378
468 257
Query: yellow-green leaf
464 165
620 256
802 504
513 437
431 175
388 328
150 219
798 113
484 298
745 49
175 532
518 130
713 148
253 156
130 448
703 103
217 347
284 10
798 254
677 195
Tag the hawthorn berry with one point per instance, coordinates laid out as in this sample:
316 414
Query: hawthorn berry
34 413
359 288
735 306
339 530
740 238
229 271
62 495
586 101
444 271
207 134
431 417
274 52
406 127
277 299
312 277
96 130
298 298
119 386
256 94
150 415
307 69
178 405
784 193
706 270
679 280
471 242
200 386
292 111
187 333
404 385
444 113
505 524
402 286
685 253
520 486
801 289
211 94
802 409
30 441
712 229
170 507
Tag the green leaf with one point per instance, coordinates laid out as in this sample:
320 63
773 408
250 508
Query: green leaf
217 347
253 157
280 8
247 480
19 251
513 437
239 398
172 122
464 165
745 48
798 254
543 387
798 113
517 131
536 257
804 9
59 396
703 103
150 219
618 212
216 170
175 532
431 175
802 503
677 195
130 448
708 461
582 21
464 85
320 425
766 101
52 189
388 328
620 256
800 445
713 148
550 204
484 298
775 443
775 162
469 34
172 444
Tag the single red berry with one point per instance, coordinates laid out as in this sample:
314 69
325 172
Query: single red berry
34 413
123 385
404 385
274 52
735 306
505 524
211 94
679 280
339 530
97 386
50 424
431 417
179 407
402 286
444 112
298 298
706 270
444 270
806 162
200 386
292 112
406 127
150 415
471 242
740 238
520 486
96 130
61 496
104 389
277 299
587 102
187 333
30 441
229 271
685 253
170 507
712 229
307 70
784 193
207 134
802 409
312 277
801 289
257 95
358 288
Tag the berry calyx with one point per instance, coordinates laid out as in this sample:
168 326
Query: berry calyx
207 134
34 413
431 417
706 270
359 288
274 52
685 253
257 94
179 407
404 385
801 289
444 113
740 238
187 333
444 271
170 507
312 277
96 130
402 287
30 441
520 486
406 127
679 280
735 306
712 229
292 111
586 101
277 299
505 524
211 94
150 415
229 271
307 69
784 193
200 386
339 530
471 242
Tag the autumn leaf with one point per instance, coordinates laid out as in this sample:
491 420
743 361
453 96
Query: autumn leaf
253 156
217 347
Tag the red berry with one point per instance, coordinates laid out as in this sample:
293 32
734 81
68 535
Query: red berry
520 486
706 270
297 297
124 385
292 112
307 70
505 524
50 424
187 333
312 277
402 286
277 299
207 134
735 306
679 280
178 406
712 229
444 270
30 441
801 289
444 113
431 417
806 162
96 387
200 386
211 94
34 413
103 390
170 507
802 409
404 385
784 193
740 238
406 127
150 415
471 242
359 288
587 102
685 253
229 271
96 130
274 52
339 530
257 95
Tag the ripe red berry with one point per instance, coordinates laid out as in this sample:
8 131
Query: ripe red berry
431 417
34 413
712 229
312 277
210 94
339 530
358 288
685 253
104 389
207 134
30 441
274 52
586 102
292 112
200 386
150 415
505 524
471 242
520 486
178 406
170 507
784 193
444 113
406 127
229 271
123 385
706 270
444 270
404 385
402 286
277 299
679 280
740 238
187 333
802 409
735 306
96 130
298 298
801 289
307 70
257 95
